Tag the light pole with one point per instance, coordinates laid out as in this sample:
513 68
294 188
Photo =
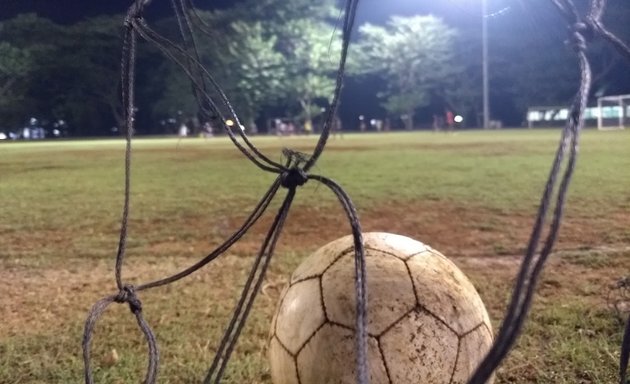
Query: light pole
484 64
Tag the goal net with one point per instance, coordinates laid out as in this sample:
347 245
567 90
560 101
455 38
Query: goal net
613 112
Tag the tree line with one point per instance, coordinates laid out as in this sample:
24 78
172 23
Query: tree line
274 57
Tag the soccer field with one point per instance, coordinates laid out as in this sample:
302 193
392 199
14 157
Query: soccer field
472 195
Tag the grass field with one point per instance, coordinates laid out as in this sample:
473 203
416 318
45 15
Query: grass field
472 196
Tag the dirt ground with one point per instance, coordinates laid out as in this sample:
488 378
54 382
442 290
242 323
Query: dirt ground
486 245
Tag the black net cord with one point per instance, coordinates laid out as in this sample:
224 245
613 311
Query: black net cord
126 292
187 33
348 25
185 30
532 264
127 77
625 354
360 276
248 296
198 79
204 27
292 176
182 9
97 309
167 47
127 295
190 45
249 222
134 24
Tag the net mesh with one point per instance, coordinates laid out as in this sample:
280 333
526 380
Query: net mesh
295 171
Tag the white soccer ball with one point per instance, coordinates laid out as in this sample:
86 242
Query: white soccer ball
426 322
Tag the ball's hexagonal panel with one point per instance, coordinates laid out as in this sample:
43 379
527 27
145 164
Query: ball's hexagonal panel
472 349
419 349
283 369
329 358
389 287
300 314
318 261
400 246
274 319
445 291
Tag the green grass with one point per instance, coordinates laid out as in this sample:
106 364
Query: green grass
60 218
575 344
498 170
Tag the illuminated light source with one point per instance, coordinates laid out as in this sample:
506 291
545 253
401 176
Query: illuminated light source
458 119
229 122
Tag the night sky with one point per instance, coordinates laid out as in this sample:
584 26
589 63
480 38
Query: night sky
544 20
70 11
457 13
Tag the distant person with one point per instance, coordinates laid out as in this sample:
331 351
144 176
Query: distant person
450 120
378 124
362 125
183 130
208 130
195 125
337 128
281 127
308 127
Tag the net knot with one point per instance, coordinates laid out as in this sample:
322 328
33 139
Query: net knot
293 177
580 33
128 295
128 23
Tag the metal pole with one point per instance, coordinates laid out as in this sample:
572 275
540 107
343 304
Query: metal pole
486 85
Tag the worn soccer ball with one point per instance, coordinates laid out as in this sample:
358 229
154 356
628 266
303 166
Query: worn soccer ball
426 322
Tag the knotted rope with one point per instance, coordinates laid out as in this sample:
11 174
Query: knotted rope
291 175
581 32
295 173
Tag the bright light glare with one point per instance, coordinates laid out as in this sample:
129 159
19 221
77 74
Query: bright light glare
458 119
3 136
229 122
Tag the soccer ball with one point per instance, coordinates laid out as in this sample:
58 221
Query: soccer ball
426 322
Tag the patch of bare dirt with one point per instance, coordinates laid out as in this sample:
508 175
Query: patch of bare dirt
35 299
486 244
453 229
467 147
